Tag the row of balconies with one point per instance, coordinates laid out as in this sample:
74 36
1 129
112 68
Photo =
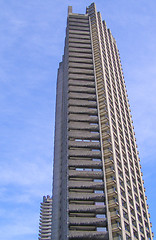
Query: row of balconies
79 32
78 17
81 65
46 223
82 223
72 23
80 45
88 72
86 174
83 135
83 126
46 204
87 209
82 103
91 144
88 235
92 221
108 191
133 213
84 185
84 55
73 20
74 38
44 228
88 84
82 110
85 164
45 218
46 207
82 118
46 236
85 96
78 59
84 153
45 211
79 28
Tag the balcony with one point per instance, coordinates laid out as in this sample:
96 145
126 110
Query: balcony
85 153
87 209
108 153
109 171
92 221
113 203
110 182
116 229
86 174
85 185
108 162
115 215
111 192
85 164
88 235
98 197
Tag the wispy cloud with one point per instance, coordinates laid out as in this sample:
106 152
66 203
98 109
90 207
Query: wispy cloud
31 45
25 173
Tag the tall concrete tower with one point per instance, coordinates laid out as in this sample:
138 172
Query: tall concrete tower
45 219
98 190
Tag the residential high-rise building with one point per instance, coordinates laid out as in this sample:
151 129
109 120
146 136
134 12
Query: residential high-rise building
45 219
98 191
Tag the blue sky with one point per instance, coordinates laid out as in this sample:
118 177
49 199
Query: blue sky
31 46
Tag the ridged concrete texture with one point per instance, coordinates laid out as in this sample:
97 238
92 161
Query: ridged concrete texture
98 190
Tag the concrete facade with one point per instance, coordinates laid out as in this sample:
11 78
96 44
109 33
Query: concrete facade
45 219
98 190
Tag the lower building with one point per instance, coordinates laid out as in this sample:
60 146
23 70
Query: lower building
45 219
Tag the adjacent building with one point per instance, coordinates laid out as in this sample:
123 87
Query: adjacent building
98 191
45 219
